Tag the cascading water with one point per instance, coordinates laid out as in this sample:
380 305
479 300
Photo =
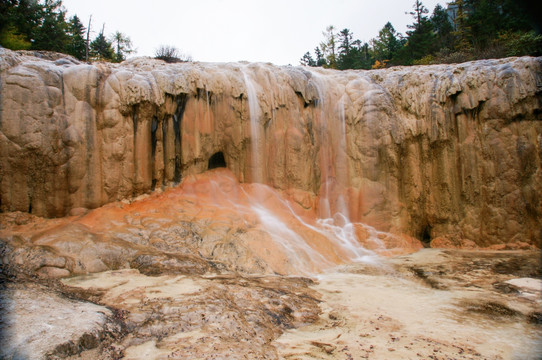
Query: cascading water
341 161
254 113
333 221
334 218
324 209
304 242
295 247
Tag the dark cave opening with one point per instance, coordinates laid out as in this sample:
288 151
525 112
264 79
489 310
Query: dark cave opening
217 161
154 139
426 236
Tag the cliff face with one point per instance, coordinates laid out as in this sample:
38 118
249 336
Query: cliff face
449 153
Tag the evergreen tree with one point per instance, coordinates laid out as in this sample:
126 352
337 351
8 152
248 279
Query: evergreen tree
420 39
100 48
42 25
386 44
6 12
442 27
123 46
484 21
366 59
350 51
76 43
320 60
419 11
463 30
307 60
329 47
51 34
345 42
480 29
19 20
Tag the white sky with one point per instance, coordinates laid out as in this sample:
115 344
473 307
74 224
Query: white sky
277 31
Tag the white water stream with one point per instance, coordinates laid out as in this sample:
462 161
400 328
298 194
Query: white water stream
254 113
334 221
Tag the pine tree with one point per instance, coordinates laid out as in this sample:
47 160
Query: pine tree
386 44
463 30
51 34
345 42
76 38
366 58
320 60
483 21
420 39
18 22
307 60
100 48
7 8
329 47
442 27
349 51
123 46
419 11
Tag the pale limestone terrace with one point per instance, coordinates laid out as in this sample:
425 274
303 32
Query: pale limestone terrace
445 153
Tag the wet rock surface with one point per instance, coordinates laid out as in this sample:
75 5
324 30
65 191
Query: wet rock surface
40 322
379 310
209 222
225 316
444 153
276 251
433 304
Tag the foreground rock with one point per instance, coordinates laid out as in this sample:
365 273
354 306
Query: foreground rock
39 323
206 317
433 304
209 222
450 153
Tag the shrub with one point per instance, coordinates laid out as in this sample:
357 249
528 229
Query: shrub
171 54
11 40
426 60
521 43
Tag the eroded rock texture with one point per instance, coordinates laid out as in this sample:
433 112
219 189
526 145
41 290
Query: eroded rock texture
448 153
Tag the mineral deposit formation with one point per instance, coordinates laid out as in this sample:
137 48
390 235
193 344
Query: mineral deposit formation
447 154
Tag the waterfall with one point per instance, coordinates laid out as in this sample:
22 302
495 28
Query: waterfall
333 222
333 215
254 113
324 209
341 161
333 165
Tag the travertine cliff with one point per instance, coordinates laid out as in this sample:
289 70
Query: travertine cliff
448 153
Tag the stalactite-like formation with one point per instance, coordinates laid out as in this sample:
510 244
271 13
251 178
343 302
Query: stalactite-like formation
441 152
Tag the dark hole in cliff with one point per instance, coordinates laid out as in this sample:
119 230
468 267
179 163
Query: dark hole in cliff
154 127
217 161
30 204
177 118
426 236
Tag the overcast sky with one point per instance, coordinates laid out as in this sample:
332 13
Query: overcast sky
277 31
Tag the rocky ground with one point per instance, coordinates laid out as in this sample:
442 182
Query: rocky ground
304 243
433 304
215 269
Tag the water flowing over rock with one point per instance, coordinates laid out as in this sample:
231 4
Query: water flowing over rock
153 210
446 153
